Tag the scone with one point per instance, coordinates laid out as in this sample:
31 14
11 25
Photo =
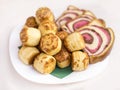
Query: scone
74 42
44 63
31 22
27 54
44 13
63 58
30 36
98 42
62 34
47 26
80 61
50 44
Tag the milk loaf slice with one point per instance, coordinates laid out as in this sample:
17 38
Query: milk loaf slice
98 42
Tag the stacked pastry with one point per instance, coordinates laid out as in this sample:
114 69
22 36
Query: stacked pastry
98 38
75 39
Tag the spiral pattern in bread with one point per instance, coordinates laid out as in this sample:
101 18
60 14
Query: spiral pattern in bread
50 44
44 63
30 36
47 26
27 54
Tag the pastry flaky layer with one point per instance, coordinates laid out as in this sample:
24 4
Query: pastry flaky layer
30 36
44 63
27 54
50 44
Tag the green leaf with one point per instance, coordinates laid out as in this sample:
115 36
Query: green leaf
61 73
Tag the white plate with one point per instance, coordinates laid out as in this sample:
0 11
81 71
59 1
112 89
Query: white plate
30 74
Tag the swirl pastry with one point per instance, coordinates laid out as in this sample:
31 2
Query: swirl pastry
30 36
98 42
47 26
62 35
44 13
80 61
63 58
74 42
31 22
50 44
44 63
27 54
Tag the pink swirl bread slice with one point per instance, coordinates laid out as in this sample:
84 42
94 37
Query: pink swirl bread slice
98 42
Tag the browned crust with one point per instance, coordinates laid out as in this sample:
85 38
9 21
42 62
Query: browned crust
103 55
62 34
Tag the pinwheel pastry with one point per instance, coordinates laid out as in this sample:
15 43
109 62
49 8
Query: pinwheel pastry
31 22
27 54
98 41
30 36
74 42
44 13
80 60
63 58
44 63
72 13
47 26
62 34
50 44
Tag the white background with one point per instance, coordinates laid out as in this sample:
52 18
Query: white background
14 12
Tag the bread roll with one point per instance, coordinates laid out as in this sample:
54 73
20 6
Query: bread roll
74 42
30 36
80 60
50 44
47 26
27 54
44 63
63 58
44 13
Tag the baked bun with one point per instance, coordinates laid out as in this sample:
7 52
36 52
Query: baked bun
98 42
80 61
50 44
74 42
62 35
63 58
44 13
44 63
47 26
30 36
31 22
27 54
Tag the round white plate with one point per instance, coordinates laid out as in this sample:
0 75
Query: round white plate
30 74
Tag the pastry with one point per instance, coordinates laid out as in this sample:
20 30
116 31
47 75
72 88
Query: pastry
31 22
30 36
47 26
44 63
62 35
74 42
98 42
50 44
44 13
63 58
27 54
80 60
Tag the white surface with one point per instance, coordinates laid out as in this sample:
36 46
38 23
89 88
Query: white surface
13 12
30 74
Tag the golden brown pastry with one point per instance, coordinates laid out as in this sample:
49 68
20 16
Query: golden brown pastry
50 44
63 58
47 26
80 60
44 63
44 13
30 36
27 54
74 42
31 22
62 34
